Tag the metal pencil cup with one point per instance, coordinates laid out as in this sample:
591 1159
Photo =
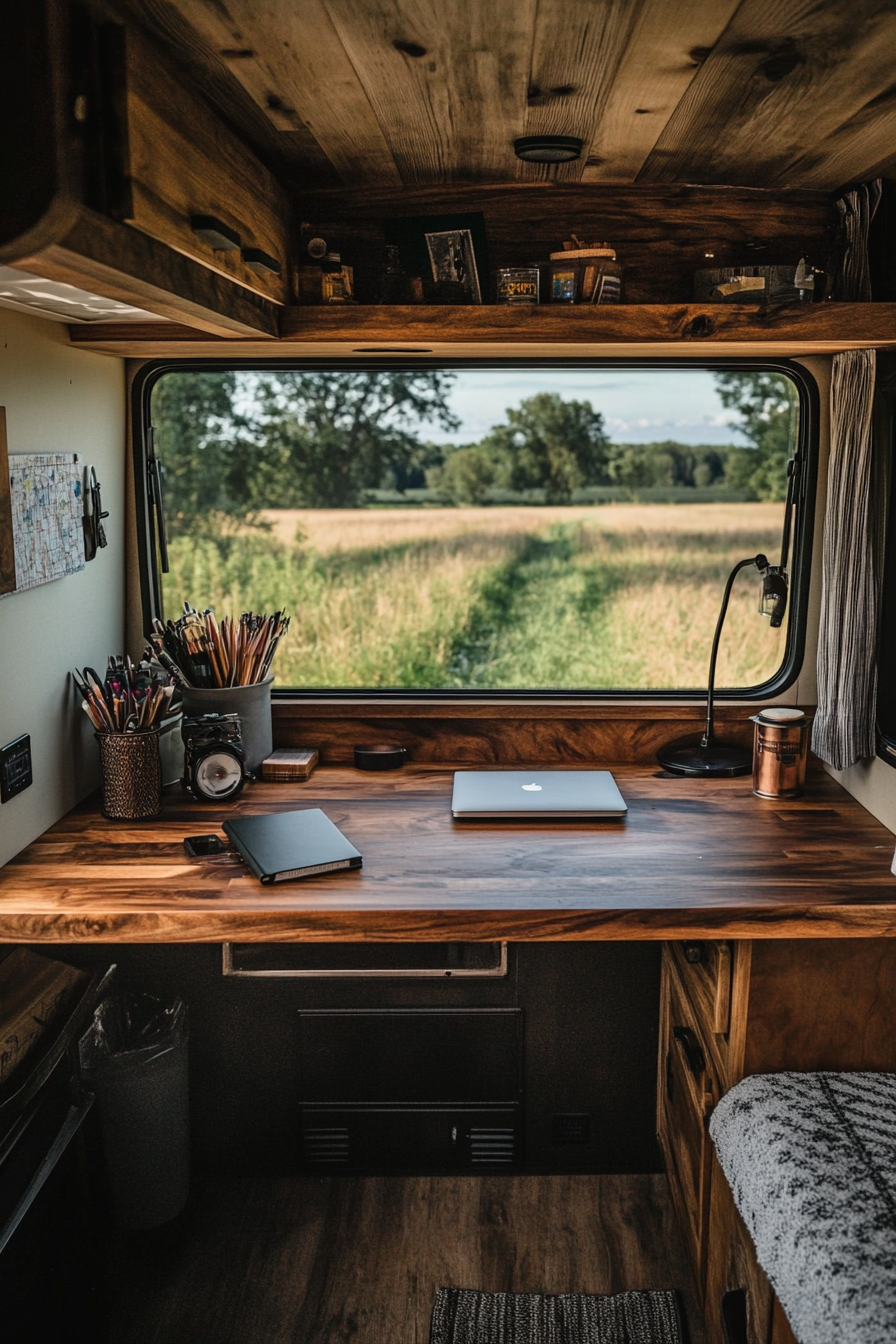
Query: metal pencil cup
132 775
252 703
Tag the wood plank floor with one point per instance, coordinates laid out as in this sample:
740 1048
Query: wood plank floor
357 1260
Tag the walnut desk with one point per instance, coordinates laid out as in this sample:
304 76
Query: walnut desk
694 859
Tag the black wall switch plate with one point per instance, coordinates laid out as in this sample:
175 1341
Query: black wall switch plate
15 767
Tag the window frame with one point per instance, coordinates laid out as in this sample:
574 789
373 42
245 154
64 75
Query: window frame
799 569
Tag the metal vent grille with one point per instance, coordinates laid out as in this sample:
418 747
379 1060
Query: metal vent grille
325 1143
492 1146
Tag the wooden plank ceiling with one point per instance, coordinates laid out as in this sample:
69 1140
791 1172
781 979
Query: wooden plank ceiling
757 93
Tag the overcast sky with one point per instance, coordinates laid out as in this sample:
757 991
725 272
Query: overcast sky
638 405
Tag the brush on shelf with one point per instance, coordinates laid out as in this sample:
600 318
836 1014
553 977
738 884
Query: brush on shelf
198 652
130 698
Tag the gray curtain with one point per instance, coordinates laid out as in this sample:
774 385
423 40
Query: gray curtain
843 731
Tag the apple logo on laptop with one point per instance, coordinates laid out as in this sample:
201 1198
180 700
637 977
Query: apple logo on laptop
531 788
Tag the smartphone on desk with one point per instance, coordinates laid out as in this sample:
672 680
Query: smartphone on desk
202 846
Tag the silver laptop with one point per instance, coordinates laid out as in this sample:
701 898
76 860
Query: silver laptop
536 793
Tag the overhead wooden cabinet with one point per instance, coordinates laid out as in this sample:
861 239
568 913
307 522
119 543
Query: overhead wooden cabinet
107 156
183 162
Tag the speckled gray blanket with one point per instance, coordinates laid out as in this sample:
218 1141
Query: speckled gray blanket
811 1160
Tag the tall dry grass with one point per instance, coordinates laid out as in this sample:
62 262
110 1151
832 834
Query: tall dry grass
623 596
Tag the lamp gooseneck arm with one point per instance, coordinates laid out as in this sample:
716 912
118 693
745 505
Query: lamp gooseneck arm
760 562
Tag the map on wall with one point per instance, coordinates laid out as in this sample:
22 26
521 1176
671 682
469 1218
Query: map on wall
47 513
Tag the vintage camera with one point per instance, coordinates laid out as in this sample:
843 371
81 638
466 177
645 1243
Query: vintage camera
214 768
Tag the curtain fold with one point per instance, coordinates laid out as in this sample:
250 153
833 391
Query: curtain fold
843 732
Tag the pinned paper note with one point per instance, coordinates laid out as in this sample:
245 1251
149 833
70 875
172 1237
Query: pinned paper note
46 497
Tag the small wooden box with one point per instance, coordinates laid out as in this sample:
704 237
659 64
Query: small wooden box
288 764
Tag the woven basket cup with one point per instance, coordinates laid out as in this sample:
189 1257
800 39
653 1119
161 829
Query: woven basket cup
132 775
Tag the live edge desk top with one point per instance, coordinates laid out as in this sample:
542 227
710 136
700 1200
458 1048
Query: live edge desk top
695 858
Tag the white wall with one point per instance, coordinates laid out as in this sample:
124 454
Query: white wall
59 399
873 784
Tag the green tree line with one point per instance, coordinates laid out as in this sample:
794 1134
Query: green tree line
232 444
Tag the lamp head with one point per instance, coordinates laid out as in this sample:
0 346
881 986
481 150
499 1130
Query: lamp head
773 597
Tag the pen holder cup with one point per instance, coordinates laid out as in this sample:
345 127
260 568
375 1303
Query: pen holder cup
132 775
252 703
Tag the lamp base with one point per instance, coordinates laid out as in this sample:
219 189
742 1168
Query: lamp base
720 761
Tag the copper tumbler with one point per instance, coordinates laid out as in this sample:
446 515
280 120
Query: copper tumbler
780 743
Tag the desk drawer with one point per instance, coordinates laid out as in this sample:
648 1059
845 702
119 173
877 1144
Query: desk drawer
704 969
688 1090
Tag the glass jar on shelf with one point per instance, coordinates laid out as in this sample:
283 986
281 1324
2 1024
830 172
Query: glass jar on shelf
586 275
517 285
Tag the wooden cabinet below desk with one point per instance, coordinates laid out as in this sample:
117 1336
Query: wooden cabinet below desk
729 1010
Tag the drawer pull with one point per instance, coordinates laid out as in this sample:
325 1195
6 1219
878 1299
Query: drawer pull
693 1052
693 953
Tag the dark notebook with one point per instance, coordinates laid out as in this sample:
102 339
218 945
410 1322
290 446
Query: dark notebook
280 846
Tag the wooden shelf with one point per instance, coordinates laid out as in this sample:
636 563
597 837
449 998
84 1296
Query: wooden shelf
545 330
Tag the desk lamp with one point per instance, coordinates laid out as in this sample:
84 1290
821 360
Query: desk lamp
708 758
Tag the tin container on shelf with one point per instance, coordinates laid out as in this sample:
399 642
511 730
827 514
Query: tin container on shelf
517 285
586 275
780 745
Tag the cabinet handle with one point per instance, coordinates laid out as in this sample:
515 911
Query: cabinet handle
693 1052
722 1004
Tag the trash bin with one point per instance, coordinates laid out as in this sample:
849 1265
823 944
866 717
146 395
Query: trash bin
134 1058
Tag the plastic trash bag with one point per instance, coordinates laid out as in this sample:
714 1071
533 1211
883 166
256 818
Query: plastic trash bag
134 1057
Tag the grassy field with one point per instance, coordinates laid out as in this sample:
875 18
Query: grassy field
622 596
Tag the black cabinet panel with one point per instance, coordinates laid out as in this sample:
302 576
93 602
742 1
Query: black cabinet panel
592 1033
411 1056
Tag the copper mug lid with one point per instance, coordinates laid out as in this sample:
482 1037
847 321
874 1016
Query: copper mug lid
780 716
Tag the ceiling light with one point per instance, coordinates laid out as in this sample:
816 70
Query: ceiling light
548 148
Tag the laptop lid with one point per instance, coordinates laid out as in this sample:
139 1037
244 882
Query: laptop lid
538 793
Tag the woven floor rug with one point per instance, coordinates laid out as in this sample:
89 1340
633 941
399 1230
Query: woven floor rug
461 1316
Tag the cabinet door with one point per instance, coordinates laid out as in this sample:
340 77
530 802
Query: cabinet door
687 1092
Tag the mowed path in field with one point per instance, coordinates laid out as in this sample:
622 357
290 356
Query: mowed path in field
620 596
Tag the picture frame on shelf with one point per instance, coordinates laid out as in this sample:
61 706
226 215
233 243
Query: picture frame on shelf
447 252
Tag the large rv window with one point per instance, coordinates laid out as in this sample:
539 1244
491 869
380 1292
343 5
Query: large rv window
483 530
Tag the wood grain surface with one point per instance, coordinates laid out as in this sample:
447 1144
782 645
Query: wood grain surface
290 60
491 734
779 83
666 48
697 324
451 114
694 859
276 1260
208 68
788 91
